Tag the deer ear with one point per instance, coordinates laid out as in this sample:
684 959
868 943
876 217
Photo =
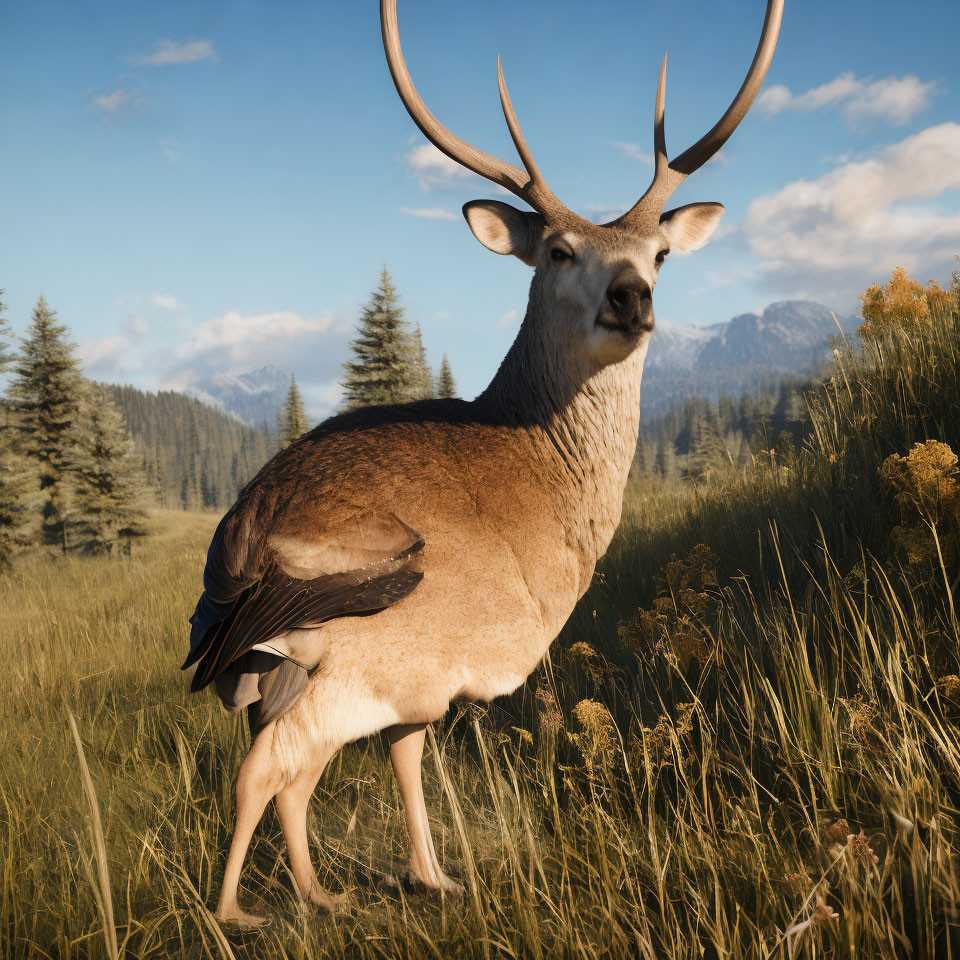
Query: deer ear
690 227
505 229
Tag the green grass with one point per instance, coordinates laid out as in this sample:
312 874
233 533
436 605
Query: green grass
623 803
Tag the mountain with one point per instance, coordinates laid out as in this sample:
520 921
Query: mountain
253 398
739 355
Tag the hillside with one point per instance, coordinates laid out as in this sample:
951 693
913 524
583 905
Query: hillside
194 456
744 743
739 356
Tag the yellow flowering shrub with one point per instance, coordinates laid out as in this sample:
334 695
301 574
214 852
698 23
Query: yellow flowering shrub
596 739
680 623
926 489
901 302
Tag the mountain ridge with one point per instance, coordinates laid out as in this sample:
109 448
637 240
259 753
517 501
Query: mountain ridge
254 398
738 355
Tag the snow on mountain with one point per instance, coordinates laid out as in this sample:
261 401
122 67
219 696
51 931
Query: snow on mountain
790 337
254 398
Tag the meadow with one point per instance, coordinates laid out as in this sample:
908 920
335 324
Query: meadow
744 744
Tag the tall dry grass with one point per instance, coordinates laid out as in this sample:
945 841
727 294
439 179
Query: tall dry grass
751 752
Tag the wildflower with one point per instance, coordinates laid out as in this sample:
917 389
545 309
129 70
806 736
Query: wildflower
835 835
949 686
596 740
799 880
679 624
926 488
525 735
858 846
588 660
549 715
863 716
822 912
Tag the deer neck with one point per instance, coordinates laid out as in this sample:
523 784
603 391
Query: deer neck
582 426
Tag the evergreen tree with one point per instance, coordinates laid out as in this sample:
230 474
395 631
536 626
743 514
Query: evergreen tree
16 477
423 386
44 398
446 385
193 472
7 355
111 491
173 433
665 463
708 453
293 418
383 370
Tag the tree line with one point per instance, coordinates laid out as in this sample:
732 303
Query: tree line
702 440
69 478
82 463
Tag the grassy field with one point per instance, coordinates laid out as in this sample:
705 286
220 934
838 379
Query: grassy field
742 750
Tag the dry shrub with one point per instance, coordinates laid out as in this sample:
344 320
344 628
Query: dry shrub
926 489
597 737
583 657
681 623
902 303
656 743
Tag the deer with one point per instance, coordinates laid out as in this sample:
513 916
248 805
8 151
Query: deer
397 559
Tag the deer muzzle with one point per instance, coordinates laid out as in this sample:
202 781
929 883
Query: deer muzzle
628 305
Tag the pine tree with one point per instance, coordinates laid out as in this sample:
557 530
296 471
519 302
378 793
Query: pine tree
44 399
708 453
383 371
16 477
422 386
446 385
293 421
193 466
111 491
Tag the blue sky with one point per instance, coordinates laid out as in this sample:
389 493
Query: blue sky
209 187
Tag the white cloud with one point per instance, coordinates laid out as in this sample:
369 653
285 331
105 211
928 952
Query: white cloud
169 53
850 227
241 339
634 151
103 356
863 100
136 326
237 342
169 154
435 169
429 213
510 319
119 103
165 301
110 355
605 212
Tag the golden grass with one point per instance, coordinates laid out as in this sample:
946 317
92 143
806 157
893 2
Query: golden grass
810 769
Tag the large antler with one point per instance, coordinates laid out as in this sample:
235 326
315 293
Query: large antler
529 185
668 175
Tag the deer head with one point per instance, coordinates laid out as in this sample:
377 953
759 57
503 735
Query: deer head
594 281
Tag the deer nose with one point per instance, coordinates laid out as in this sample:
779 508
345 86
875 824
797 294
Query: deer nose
629 298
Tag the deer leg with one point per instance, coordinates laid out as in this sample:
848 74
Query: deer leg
292 803
258 780
406 754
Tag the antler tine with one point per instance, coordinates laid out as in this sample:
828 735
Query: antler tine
528 185
514 126
696 156
669 175
659 132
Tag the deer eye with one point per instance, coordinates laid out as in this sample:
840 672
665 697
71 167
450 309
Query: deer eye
661 256
560 254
